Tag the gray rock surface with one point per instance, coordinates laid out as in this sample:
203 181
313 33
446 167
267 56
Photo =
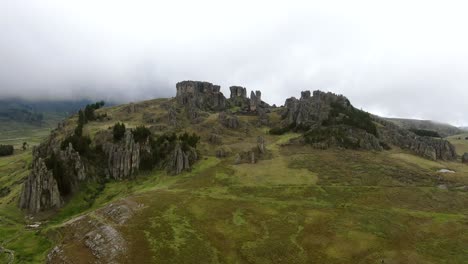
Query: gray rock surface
228 120
261 145
311 110
255 100
427 147
182 160
465 157
238 92
200 95
40 190
123 158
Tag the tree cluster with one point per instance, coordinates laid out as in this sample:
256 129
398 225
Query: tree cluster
6 150
118 131
341 115
425 133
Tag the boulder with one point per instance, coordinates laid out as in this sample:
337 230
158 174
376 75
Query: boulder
465 158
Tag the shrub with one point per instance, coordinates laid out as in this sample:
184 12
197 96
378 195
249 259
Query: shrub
118 131
330 134
6 150
351 117
79 143
141 134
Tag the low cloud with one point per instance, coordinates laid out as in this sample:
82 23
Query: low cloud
392 58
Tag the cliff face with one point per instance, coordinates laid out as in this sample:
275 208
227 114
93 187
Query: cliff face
430 148
182 160
40 190
52 178
123 158
200 95
310 110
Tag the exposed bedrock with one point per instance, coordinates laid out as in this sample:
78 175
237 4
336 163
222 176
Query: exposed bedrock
123 158
200 95
182 159
51 179
311 110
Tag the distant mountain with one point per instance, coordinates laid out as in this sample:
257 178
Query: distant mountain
444 130
18 113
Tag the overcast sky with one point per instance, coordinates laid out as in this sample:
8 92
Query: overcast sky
394 58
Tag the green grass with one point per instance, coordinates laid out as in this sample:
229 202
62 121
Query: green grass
300 205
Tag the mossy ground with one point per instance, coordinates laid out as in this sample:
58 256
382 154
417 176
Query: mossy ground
300 205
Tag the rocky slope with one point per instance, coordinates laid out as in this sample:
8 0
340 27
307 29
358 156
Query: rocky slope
325 119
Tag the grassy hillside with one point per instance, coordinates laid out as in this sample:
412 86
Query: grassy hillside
299 205
460 142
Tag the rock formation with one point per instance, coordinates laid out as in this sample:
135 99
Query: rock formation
255 100
261 145
238 92
228 120
200 95
215 139
182 160
43 189
427 147
311 110
123 158
40 190
465 158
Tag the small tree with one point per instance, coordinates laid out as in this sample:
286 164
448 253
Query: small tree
118 131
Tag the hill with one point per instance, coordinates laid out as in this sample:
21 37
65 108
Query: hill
205 178
444 130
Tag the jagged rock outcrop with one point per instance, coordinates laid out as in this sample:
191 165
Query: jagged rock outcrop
312 110
238 92
182 160
123 158
228 120
255 100
427 147
200 95
465 158
40 190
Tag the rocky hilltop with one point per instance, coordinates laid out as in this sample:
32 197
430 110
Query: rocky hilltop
95 146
